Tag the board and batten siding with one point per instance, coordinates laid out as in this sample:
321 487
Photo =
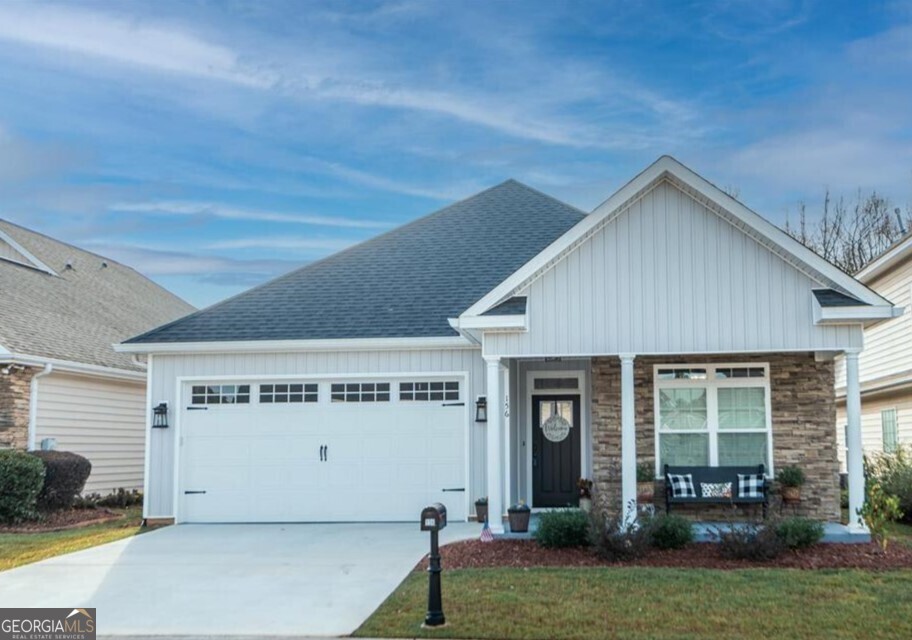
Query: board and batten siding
99 418
669 276
166 369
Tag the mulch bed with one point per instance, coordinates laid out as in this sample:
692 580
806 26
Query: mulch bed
62 520
473 554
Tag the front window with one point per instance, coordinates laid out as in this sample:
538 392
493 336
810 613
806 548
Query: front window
712 415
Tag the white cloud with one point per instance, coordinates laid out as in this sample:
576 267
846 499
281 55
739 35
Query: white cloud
282 242
189 208
155 47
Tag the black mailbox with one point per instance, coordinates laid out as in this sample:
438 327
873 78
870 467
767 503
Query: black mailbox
433 518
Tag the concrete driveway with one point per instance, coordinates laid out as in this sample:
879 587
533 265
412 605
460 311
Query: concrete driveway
203 580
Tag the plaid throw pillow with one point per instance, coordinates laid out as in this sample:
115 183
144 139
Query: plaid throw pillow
750 485
682 486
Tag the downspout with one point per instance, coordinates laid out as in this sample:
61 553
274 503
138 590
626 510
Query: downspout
33 404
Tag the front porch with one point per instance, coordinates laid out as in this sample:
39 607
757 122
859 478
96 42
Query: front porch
777 409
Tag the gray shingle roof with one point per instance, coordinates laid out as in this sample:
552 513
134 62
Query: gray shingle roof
78 314
510 307
404 283
833 298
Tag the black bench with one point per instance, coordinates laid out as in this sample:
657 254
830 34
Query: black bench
715 475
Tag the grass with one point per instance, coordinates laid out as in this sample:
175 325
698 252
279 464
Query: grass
17 549
641 603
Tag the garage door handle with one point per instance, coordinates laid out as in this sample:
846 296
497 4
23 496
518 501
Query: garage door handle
197 408
188 493
454 404
460 489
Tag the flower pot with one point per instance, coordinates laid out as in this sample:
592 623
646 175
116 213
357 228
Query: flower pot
519 519
585 504
481 511
646 492
790 494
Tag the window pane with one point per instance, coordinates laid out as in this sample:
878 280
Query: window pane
684 449
888 426
742 449
742 408
683 409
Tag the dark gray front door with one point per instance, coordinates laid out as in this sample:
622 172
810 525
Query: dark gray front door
555 450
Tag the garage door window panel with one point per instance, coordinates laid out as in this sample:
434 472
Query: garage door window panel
360 392
220 394
288 393
429 391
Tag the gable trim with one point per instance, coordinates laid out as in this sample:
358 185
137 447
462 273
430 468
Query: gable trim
667 167
35 262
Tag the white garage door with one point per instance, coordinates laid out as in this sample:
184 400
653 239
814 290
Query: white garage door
322 451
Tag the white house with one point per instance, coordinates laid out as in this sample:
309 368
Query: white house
670 325
885 365
61 382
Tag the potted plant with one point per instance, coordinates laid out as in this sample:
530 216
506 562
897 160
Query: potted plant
519 515
645 482
481 509
790 481
584 485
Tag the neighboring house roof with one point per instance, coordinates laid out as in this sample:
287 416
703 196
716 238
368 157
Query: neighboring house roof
74 314
898 252
405 283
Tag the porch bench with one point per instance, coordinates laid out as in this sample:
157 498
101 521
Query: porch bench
715 475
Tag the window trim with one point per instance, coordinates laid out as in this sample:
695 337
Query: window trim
712 384
883 432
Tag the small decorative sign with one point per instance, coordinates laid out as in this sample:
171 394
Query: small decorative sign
556 428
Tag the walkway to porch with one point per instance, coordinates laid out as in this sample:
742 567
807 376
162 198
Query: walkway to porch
833 532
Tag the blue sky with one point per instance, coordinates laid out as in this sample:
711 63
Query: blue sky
215 145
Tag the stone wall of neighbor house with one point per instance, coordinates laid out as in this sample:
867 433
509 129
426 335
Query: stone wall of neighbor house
803 417
14 408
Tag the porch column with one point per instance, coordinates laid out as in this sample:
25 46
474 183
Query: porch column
495 438
628 441
854 452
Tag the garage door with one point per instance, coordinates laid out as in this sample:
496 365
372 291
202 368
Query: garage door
321 451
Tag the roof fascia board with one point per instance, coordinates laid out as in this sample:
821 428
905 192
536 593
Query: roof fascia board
648 178
886 261
348 344
68 366
493 322
36 263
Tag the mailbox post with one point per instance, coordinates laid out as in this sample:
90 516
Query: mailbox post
433 519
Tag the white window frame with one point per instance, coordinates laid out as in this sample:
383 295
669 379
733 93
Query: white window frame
712 384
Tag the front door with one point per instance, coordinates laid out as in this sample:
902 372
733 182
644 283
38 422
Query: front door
555 450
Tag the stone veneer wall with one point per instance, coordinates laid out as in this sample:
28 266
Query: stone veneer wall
14 408
803 416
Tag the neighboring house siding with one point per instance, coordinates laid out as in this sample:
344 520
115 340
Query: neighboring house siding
670 276
887 345
166 369
99 418
871 426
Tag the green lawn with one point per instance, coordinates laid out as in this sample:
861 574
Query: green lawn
640 603
22 548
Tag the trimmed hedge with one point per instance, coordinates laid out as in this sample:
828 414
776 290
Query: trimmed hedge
800 533
672 532
563 528
65 477
21 479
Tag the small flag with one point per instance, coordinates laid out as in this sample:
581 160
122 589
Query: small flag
486 535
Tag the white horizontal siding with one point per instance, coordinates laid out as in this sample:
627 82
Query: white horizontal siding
166 369
871 428
670 276
101 419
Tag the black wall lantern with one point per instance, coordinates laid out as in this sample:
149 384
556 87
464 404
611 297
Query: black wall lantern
160 416
481 409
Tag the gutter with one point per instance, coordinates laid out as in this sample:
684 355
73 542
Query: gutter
75 367
33 404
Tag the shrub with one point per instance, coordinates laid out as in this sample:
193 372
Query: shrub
749 541
879 509
613 540
119 499
65 476
563 528
645 472
893 472
672 532
799 533
791 477
21 479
